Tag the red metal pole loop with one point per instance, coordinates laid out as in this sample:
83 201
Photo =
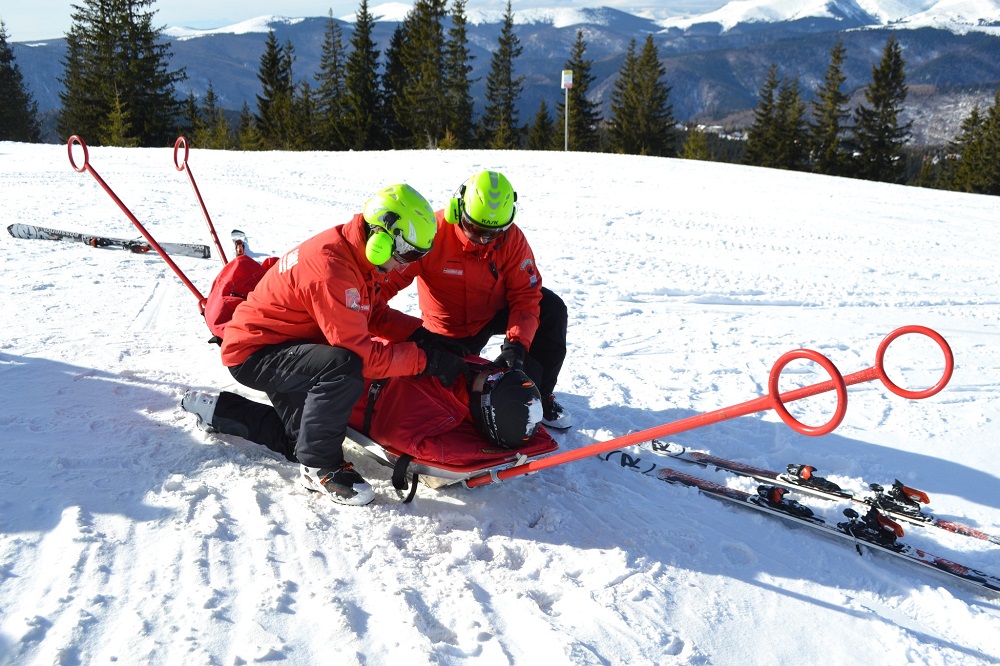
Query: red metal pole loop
138 225
949 362
86 157
181 141
183 166
773 400
779 406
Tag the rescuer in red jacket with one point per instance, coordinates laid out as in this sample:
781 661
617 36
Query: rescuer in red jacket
481 280
314 328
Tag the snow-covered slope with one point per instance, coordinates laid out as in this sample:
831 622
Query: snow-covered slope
129 536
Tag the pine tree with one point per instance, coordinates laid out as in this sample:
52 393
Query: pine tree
213 132
247 137
303 130
19 111
977 147
274 104
696 147
584 116
500 126
829 114
191 123
457 98
116 63
331 91
642 119
543 129
393 83
959 172
879 135
623 127
991 148
791 137
762 136
418 108
365 111
116 130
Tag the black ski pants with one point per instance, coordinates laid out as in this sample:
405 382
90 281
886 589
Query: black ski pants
548 349
312 389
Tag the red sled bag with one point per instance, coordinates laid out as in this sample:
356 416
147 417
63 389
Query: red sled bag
417 419
231 287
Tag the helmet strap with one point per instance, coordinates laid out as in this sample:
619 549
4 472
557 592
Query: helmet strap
479 402
453 211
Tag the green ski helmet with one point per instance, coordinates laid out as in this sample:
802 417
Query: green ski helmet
402 225
487 200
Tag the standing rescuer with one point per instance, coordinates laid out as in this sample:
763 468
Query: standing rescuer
314 328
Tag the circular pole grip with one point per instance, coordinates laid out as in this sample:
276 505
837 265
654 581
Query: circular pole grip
949 362
838 384
86 156
177 144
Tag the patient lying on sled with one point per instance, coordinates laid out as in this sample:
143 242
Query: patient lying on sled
489 417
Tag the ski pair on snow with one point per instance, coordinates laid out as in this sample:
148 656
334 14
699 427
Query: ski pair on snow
138 246
873 530
900 502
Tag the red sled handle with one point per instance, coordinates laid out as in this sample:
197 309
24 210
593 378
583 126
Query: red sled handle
773 400
76 140
183 166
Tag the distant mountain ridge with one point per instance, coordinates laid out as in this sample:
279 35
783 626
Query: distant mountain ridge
715 62
957 16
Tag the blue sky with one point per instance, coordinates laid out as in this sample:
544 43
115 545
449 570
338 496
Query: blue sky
43 19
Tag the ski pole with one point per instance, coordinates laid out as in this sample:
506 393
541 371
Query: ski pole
138 225
183 166
773 400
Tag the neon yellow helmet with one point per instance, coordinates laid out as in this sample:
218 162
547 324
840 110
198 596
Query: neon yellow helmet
487 199
402 224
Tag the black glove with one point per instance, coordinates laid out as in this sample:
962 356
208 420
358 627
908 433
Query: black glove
445 366
427 341
512 355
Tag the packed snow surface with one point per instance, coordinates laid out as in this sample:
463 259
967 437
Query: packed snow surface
129 536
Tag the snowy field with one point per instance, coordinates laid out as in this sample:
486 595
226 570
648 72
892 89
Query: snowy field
128 536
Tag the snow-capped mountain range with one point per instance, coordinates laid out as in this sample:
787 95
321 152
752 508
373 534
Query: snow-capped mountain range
715 62
959 16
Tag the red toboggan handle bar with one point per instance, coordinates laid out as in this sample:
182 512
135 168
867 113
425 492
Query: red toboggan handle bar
76 140
773 400
183 166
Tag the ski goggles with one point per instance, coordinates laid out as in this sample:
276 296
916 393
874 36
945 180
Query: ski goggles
405 252
478 233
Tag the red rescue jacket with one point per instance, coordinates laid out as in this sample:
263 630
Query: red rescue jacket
461 285
325 291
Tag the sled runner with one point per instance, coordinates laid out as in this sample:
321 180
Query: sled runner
427 431
438 474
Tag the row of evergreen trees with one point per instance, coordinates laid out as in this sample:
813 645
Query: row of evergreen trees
18 110
783 136
873 146
118 90
422 98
